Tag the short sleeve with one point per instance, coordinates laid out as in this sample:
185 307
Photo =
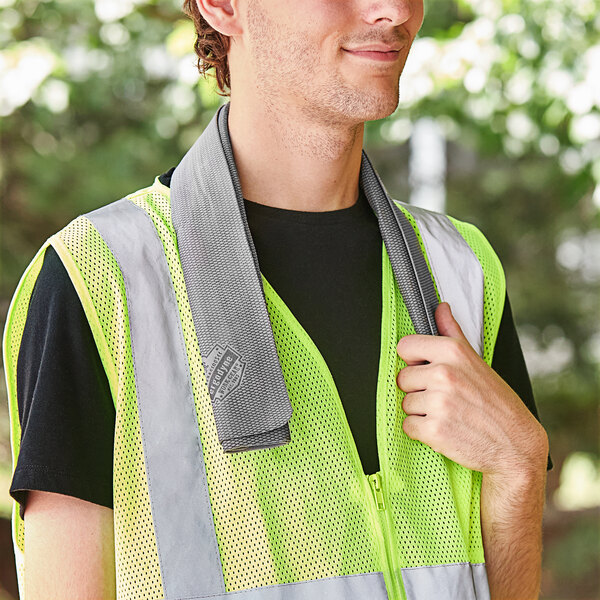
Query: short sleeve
508 361
65 405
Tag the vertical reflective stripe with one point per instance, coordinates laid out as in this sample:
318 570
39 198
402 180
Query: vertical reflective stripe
366 586
461 581
185 535
456 270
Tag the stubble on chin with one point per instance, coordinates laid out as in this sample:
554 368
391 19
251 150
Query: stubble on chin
289 70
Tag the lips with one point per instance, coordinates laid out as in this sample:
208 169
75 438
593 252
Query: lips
374 53
376 48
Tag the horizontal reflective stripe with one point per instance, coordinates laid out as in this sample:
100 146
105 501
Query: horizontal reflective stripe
181 512
365 586
460 581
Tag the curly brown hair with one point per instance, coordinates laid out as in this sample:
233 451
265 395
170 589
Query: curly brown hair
211 48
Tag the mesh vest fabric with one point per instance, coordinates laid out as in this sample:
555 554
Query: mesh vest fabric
299 512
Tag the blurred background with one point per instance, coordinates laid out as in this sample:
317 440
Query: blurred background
498 124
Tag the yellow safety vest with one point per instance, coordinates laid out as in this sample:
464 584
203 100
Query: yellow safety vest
292 519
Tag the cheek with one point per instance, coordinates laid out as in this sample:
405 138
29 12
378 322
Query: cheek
331 12
294 39
415 22
311 18
323 23
278 44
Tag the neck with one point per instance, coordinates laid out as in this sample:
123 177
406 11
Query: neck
288 159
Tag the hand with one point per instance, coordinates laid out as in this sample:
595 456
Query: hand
460 407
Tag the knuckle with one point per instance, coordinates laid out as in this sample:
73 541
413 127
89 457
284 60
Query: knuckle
444 404
459 349
403 344
444 373
436 428
454 349
401 378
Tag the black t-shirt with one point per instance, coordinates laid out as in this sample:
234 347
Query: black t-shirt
326 266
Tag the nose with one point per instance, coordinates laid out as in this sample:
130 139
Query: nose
390 12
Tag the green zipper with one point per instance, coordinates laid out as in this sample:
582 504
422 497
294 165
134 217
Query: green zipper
375 481
381 515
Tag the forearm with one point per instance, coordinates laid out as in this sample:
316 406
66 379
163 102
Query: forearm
511 521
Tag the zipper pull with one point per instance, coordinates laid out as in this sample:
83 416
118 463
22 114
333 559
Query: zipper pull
375 481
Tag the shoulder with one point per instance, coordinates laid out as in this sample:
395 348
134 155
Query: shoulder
86 235
464 265
447 228
84 244
425 218
154 197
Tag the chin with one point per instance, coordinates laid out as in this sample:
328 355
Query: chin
346 104
381 111
370 106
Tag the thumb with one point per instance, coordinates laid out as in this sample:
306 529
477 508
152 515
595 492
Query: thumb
446 322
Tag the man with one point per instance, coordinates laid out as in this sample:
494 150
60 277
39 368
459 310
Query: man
218 487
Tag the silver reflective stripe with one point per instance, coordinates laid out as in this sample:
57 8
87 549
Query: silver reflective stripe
480 581
456 270
461 581
366 586
183 524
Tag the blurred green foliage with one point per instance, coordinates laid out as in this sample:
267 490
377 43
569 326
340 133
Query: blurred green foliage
99 97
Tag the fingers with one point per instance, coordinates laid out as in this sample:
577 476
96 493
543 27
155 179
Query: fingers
434 378
416 349
414 378
412 427
451 342
415 403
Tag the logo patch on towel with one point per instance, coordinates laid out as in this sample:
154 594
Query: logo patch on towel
224 371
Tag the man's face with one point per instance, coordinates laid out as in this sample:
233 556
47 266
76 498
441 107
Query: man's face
338 60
